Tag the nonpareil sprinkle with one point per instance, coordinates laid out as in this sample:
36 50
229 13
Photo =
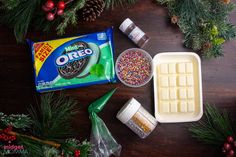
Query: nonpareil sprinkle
134 67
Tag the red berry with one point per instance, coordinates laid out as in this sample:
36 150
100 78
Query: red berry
231 153
77 153
230 139
49 4
227 146
61 5
50 16
60 12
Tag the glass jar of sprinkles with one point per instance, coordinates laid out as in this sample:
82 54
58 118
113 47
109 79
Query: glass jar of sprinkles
134 33
133 115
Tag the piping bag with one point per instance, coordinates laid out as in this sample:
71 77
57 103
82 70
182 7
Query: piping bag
103 144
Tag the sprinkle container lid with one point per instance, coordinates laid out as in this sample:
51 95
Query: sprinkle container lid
128 110
134 67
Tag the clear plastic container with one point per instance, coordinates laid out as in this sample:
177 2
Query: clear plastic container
138 68
133 115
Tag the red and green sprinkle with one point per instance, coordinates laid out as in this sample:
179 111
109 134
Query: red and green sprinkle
134 67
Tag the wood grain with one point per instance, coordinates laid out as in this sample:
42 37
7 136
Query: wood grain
219 87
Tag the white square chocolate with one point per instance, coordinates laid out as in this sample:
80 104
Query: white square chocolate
183 106
190 93
173 107
165 107
182 94
191 106
164 68
172 68
181 67
164 94
189 67
173 94
172 81
189 80
182 80
164 81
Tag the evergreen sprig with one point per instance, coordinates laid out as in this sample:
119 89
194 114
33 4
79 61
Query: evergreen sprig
205 24
215 128
19 121
52 118
70 17
10 4
21 14
113 3
49 129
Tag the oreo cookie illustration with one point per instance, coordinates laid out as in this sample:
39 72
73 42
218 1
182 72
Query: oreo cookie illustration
75 67
94 59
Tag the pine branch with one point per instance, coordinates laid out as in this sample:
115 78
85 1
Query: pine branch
19 121
52 118
70 17
113 3
73 144
20 17
10 4
47 142
214 129
50 152
51 125
203 22
40 147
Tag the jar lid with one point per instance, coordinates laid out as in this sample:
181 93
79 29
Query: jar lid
125 24
128 110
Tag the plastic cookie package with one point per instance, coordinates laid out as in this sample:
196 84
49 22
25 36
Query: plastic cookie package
73 62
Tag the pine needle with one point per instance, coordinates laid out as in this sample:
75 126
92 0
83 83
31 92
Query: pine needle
198 19
52 118
19 121
70 17
113 3
20 17
214 129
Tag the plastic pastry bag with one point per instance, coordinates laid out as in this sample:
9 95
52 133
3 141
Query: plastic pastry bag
103 144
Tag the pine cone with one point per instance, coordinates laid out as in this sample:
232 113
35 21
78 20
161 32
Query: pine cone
226 1
174 19
207 46
92 10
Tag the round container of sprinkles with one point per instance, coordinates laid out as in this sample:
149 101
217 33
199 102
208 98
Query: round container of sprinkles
134 67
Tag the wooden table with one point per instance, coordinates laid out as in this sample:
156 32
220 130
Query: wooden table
219 87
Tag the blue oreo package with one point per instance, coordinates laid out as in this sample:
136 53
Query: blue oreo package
74 62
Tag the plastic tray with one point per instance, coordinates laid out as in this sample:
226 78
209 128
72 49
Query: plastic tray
177 87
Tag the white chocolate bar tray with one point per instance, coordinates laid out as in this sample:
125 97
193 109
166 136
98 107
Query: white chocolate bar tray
177 87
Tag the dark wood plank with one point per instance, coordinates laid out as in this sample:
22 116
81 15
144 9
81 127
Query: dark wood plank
219 87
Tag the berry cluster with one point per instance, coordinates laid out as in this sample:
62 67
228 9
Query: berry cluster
51 10
77 153
5 137
229 147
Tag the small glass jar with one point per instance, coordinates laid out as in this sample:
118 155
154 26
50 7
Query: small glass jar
134 33
133 115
